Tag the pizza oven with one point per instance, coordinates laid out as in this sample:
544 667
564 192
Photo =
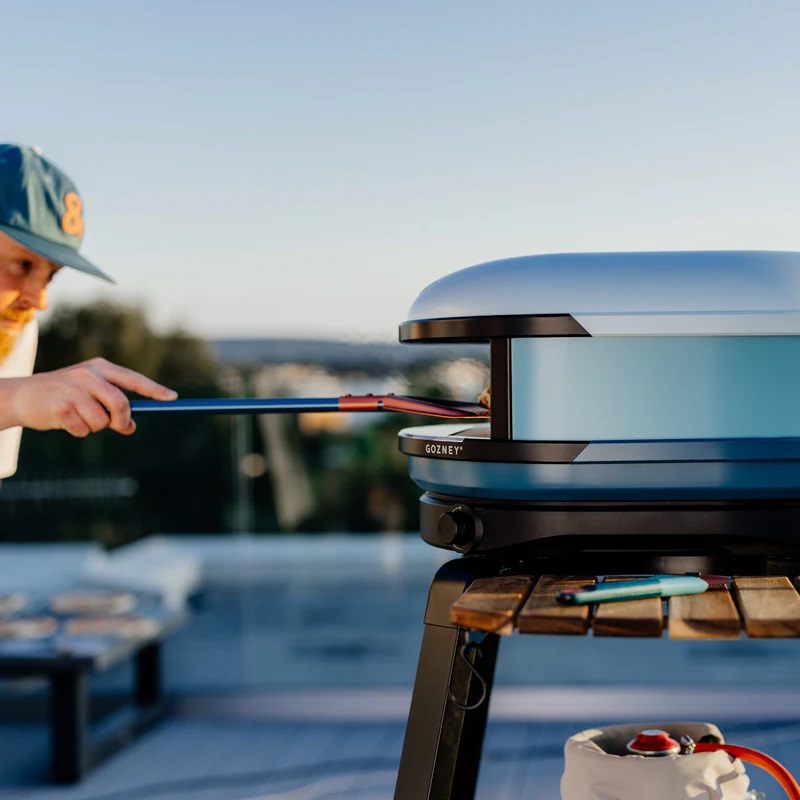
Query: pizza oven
653 394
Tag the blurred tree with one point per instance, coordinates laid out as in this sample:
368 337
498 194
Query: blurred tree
178 464
122 334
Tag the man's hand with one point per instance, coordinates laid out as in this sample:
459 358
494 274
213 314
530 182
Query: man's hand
80 399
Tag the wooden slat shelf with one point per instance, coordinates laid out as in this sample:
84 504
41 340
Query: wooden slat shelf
541 615
629 618
711 615
755 607
770 607
491 604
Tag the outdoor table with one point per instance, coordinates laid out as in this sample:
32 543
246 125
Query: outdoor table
68 662
473 601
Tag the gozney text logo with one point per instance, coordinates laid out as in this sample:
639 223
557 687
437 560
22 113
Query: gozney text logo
444 449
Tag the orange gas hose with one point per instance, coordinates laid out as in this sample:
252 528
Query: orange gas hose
778 771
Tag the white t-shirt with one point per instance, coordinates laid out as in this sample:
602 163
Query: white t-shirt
18 364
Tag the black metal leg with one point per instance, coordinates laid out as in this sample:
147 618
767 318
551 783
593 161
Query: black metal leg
442 747
148 690
69 725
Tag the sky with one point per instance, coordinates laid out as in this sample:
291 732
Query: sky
305 168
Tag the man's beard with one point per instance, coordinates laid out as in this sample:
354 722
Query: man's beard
10 333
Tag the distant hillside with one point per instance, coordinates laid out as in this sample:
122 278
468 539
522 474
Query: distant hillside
366 356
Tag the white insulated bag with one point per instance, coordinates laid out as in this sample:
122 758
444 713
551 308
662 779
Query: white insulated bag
598 766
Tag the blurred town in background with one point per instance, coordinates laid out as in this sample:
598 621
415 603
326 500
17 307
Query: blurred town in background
185 473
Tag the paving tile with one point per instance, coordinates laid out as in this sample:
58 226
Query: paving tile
229 759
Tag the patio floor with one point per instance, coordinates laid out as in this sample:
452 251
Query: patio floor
213 750
288 690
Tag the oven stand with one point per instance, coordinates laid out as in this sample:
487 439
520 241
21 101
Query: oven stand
442 747
443 742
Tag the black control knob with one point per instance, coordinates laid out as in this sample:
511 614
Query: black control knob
457 528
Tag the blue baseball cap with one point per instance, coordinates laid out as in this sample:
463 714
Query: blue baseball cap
40 208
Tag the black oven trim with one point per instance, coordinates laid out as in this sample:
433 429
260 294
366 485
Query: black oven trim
483 329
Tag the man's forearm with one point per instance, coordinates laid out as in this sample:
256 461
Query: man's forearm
9 417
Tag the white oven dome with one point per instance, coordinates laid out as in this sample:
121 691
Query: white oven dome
682 293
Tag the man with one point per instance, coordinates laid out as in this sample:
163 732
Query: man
41 228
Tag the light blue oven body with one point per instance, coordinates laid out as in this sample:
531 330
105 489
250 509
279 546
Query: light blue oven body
666 470
685 352
655 387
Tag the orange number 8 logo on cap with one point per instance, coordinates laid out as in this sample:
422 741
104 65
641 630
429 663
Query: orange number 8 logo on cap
72 221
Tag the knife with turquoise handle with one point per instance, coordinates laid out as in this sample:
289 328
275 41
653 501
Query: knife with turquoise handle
638 589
